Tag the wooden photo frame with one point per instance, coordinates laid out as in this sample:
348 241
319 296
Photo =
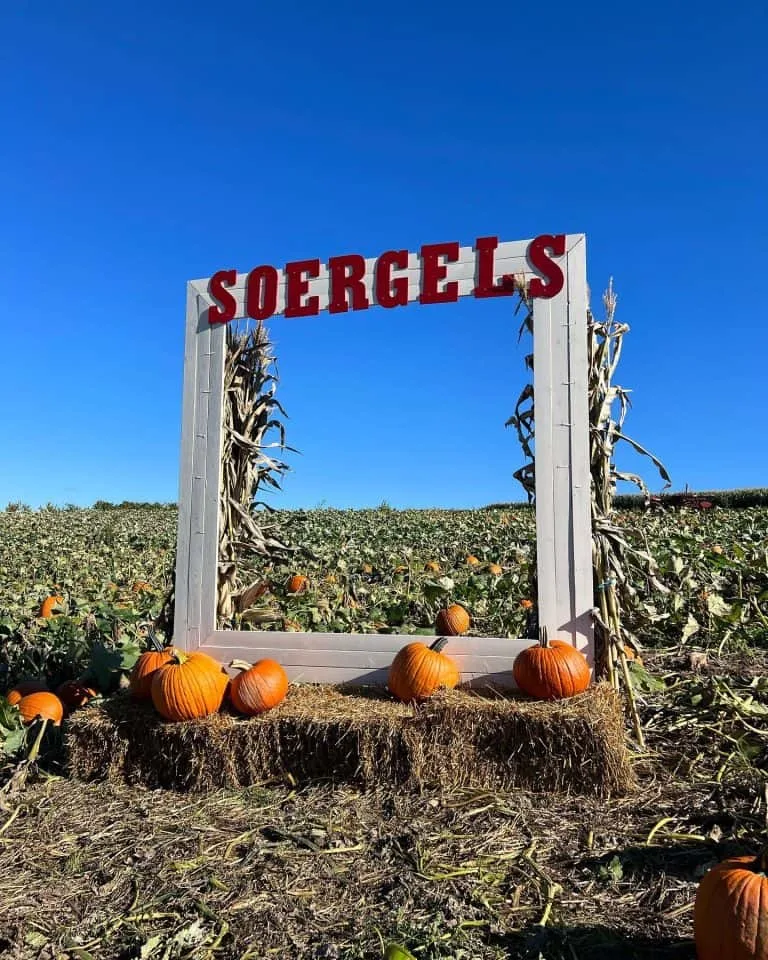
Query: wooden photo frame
554 269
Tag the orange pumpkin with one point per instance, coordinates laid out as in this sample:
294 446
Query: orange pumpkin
145 668
46 607
297 584
472 560
141 586
631 654
291 626
41 706
432 566
257 688
452 621
367 568
729 915
189 686
418 671
24 687
495 570
74 694
551 670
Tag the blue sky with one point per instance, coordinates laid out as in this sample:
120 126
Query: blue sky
146 144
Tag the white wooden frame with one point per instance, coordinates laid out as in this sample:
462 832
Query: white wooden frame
563 522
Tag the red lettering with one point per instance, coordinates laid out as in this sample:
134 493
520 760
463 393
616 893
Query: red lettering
297 285
433 271
261 293
389 292
485 247
540 260
225 306
341 281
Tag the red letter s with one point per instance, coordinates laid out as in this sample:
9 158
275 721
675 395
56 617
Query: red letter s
225 306
539 259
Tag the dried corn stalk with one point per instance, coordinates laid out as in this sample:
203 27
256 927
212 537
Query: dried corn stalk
617 564
251 417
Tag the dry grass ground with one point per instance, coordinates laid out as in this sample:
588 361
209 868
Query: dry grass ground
111 871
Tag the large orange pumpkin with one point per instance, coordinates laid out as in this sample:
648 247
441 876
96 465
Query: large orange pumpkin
43 705
730 921
46 607
551 670
452 621
189 686
74 694
297 584
418 671
145 668
24 687
257 688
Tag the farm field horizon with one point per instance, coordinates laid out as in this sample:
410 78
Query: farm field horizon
368 571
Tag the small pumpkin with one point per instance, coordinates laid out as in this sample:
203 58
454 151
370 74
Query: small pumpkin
298 583
189 686
24 687
292 626
495 570
257 688
46 607
145 668
74 694
141 586
551 670
419 670
452 621
401 568
729 917
367 568
432 566
43 705
631 654
472 560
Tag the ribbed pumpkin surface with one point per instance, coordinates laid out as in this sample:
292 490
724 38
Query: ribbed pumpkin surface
417 672
730 918
453 621
189 689
45 705
553 672
258 689
144 669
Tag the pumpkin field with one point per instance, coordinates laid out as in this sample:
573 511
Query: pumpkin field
285 869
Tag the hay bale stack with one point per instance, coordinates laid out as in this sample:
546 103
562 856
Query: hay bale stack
363 737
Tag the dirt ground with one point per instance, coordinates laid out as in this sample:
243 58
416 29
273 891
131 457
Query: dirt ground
283 870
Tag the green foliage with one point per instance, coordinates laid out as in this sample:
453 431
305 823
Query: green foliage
13 735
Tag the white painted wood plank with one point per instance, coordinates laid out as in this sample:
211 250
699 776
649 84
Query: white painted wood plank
543 388
560 433
581 559
181 588
199 476
359 659
388 643
213 469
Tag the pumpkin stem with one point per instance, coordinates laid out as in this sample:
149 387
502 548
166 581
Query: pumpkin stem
32 755
179 656
158 647
438 645
543 640
240 665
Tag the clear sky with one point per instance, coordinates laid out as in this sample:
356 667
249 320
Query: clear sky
145 144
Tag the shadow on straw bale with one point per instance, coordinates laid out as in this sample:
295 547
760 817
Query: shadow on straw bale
361 736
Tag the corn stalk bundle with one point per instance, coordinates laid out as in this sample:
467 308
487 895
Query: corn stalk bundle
618 566
251 416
